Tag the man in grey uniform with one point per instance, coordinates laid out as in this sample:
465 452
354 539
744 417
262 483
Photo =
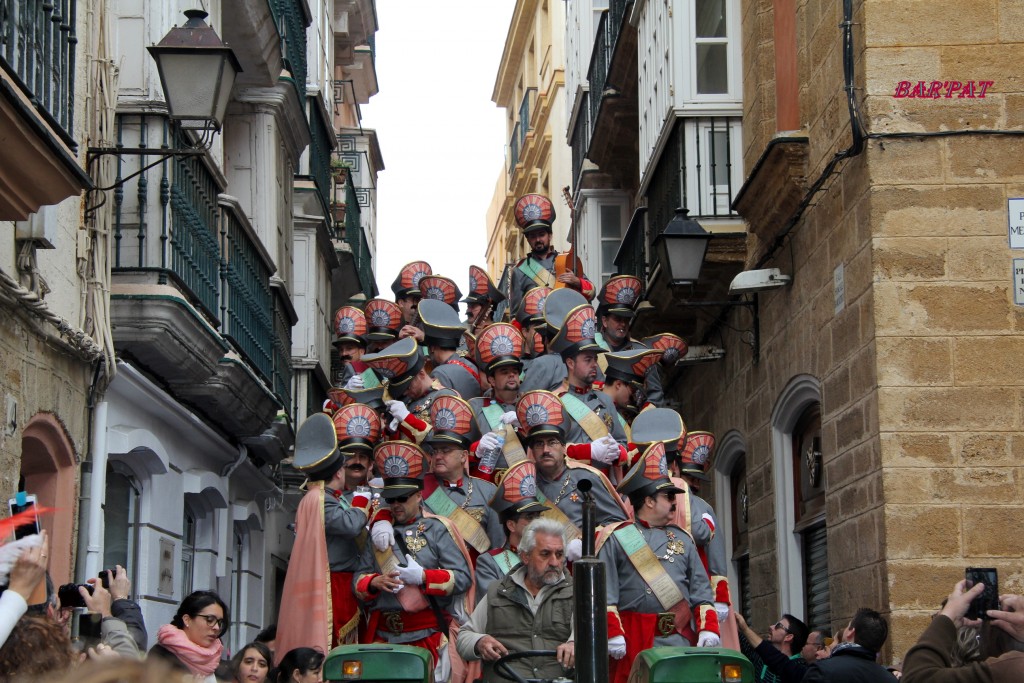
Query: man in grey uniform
535 214
616 307
658 591
442 332
497 353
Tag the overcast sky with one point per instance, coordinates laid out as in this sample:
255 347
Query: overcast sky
442 138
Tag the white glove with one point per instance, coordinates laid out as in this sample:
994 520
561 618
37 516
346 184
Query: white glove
708 639
398 410
510 418
617 647
723 611
605 450
354 382
412 573
383 535
574 550
488 442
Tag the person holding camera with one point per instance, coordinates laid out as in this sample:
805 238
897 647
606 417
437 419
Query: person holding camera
1002 642
116 636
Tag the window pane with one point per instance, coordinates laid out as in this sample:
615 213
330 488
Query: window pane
710 18
611 221
117 512
608 250
718 150
712 69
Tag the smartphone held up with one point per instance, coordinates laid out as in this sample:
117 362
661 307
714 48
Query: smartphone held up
989 598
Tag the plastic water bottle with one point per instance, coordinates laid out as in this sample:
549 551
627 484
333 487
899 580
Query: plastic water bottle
489 458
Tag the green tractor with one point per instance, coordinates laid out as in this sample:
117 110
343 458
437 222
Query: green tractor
691 664
379 663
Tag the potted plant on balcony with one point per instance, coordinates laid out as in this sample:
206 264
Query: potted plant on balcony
338 211
339 170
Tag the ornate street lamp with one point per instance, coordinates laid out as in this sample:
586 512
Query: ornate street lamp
681 247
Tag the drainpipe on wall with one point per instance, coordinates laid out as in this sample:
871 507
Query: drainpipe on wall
97 489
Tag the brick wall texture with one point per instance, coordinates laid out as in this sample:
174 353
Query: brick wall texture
922 402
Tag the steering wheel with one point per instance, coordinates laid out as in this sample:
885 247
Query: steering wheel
502 668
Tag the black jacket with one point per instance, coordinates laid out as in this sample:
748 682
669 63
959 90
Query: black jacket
853 664
130 613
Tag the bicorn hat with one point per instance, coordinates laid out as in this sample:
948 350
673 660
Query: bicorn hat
350 326
499 345
649 474
517 491
534 212
620 296
531 308
400 463
695 454
316 448
673 346
451 420
630 365
383 320
441 324
357 427
441 288
408 281
540 413
399 363
658 425
481 288
576 333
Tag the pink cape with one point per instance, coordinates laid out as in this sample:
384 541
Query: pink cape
305 619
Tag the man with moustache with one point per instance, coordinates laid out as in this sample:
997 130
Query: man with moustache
531 608
616 308
540 414
535 214
481 300
498 350
658 591
327 529
406 288
413 590
350 326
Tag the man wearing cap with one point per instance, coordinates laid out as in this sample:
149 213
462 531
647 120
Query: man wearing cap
481 300
358 429
542 421
442 332
498 348
616 307
658 591
542 369
327 529
410 388
693 513
415 586
406 288
350 326
535 214
625 371
448 490
516 504
383 321
592 417
529 609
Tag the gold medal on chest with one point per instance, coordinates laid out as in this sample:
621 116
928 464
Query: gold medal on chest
415 542
676 547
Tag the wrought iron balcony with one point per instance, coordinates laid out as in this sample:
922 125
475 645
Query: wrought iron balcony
617 11
600 59
284 319
321 145
37 45
580 137
356 237
525 108
245 301
291 26
513 150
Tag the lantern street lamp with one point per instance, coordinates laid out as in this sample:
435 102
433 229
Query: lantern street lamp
681 247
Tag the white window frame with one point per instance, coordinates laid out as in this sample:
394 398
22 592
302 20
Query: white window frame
134 503
734 92
801 392
696 130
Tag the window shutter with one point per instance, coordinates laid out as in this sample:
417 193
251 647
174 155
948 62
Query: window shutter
819 614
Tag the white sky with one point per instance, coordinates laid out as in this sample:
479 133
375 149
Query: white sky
442 139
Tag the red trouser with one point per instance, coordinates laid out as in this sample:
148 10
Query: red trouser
344 609
641 629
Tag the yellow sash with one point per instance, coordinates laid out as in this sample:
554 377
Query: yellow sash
474 534
648 566
553 512
513 448
411 597
585 416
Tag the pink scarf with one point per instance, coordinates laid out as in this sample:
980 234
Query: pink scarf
201 661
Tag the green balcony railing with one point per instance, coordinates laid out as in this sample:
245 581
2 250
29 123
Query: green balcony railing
513 150
525 108
245 301
600 59
617 11
320 139
194 251
284 318
37 47
580 141
291 27
356 237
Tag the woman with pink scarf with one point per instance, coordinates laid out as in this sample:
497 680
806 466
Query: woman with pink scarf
191 642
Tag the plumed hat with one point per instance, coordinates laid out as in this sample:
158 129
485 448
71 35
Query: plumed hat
400 463
534 212
499 345
408 280
517 491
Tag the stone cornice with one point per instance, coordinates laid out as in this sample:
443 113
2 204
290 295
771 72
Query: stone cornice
283 102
